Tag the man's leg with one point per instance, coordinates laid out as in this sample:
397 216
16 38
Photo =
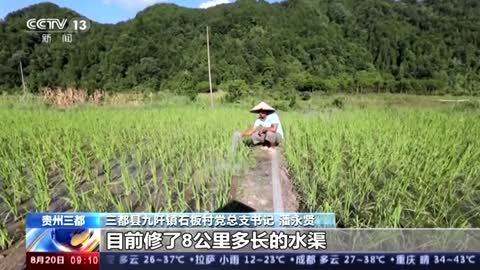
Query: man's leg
258 138
279 138
273 138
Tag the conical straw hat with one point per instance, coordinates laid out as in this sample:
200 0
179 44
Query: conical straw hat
262 106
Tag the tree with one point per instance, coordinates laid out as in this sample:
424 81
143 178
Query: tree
236 90
341 45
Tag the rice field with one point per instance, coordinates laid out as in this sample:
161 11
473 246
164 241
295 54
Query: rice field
389 167
373 167
121 160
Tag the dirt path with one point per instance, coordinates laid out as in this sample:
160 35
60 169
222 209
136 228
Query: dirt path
14 257
266 186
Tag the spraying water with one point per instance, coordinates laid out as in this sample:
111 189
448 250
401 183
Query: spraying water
235 140
278 206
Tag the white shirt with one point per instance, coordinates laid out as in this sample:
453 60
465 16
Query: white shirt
268 121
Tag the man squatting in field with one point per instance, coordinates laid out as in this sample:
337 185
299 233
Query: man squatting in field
267 129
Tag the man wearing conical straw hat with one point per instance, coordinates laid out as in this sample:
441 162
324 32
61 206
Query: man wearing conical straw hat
267 130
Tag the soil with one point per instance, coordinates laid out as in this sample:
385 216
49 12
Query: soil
254 188
14 258
290 197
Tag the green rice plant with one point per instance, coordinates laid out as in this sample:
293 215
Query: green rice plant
373 167
388 167
5 240
41 196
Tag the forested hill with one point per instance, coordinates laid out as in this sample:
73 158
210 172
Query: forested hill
305 45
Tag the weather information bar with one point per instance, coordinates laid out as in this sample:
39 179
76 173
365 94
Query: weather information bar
290 241
287 261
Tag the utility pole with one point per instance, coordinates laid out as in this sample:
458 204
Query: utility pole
23 81
209 71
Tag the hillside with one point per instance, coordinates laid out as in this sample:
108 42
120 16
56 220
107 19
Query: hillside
297 45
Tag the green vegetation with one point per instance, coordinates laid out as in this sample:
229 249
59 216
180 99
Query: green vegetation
107 159
388 167
407 46
385 158
374 163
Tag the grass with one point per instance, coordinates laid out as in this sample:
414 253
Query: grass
111 159
375 163
388 167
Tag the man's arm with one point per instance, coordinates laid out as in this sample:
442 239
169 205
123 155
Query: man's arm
273 122
249 132
272 128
